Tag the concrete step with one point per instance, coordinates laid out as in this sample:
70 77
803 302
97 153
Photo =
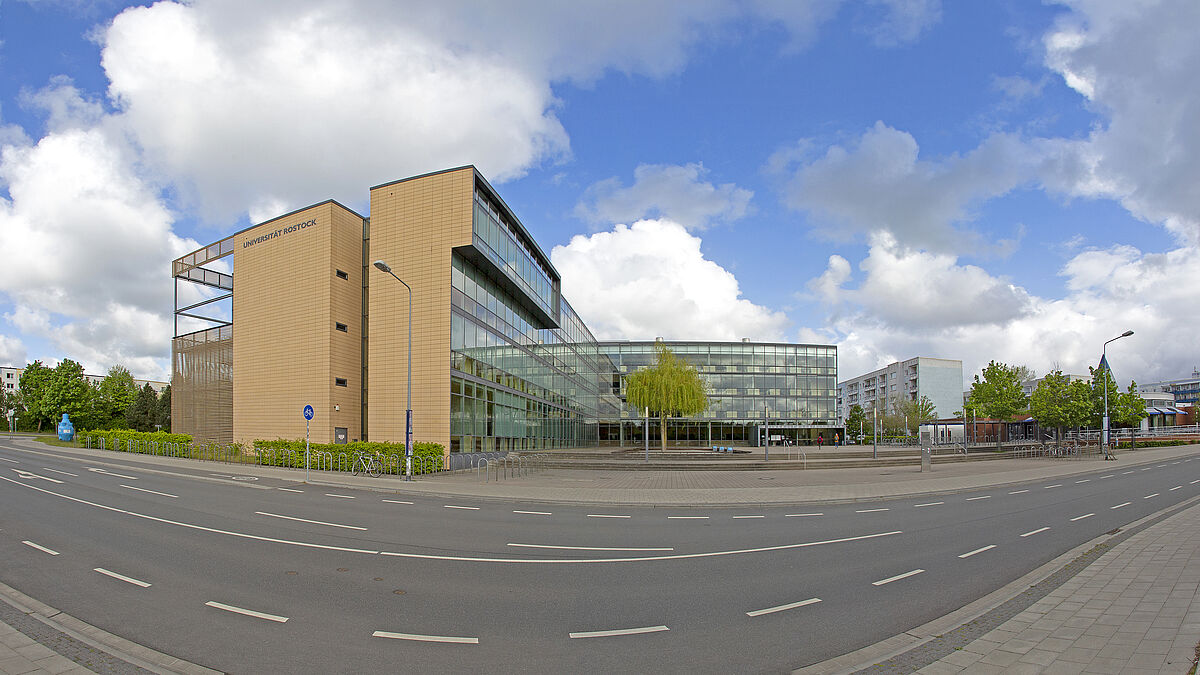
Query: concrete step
660 464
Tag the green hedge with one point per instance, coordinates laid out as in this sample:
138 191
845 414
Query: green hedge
1152 444
282 452
123 435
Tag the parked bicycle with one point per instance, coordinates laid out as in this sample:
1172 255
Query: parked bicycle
368 464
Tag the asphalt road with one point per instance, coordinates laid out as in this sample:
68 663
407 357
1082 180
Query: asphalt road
262 576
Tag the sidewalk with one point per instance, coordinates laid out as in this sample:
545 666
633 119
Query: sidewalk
1127 607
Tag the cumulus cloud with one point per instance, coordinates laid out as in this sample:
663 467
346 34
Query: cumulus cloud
879 183
89 242
650 279
1136 65
12 351
912 303
903 21
676 193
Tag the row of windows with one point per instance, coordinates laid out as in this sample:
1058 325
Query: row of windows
509 253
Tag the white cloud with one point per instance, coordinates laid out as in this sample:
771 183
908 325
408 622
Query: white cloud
650 279
89 241
912 303
903 22
1136 64
12 351
672 192
880 183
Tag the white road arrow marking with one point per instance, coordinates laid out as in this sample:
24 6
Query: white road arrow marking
110 473
30 476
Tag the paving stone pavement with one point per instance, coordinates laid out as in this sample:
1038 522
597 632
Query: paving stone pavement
1127 606
1135 609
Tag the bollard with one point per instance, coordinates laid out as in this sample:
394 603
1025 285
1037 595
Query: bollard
926 452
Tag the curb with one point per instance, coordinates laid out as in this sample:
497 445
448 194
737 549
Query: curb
113 645
889 648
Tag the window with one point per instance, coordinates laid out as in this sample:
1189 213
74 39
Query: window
342 327
342 275
340 381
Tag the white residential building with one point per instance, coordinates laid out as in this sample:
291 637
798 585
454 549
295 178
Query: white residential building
10 380
940 380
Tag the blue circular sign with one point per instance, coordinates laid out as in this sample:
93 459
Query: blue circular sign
308 412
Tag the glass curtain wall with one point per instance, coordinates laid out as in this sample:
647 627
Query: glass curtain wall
515 386
794 387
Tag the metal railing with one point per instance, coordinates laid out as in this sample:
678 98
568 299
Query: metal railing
510 466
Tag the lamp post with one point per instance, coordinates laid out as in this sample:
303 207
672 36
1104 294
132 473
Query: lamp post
1104 360
408 398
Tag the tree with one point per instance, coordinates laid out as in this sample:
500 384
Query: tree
117 393
1129 408
998 394
1102 379
856 422
70 392
916 412
162 414
10 401
141 414
34 383
669 387
1060 403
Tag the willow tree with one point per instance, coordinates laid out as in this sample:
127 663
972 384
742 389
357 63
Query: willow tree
671 387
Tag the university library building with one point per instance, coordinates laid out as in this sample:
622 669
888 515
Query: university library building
499 359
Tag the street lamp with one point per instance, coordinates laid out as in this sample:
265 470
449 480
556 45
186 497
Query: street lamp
383 267
1104 360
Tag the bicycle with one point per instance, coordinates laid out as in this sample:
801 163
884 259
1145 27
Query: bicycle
368 464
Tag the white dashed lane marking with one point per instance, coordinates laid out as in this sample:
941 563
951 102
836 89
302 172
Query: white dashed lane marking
330 494
1052 486
110 473
1154 494
749 516
1119 505
5 459
314 522
917 506
43 549
898 577
588 548
801 515
1017 492
289 490
781 608
968 554
1177 487
687 517
426 638
606 515
1086 515
971 499
464 508
247 612
618 632
395 501
153 492
870 510
1085 480
535 513
122 577
1033 532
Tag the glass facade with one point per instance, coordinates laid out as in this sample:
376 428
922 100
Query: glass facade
513 385
791 386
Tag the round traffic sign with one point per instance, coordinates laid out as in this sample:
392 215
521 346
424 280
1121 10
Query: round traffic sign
308 412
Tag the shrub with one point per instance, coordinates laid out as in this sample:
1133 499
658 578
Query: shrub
283 452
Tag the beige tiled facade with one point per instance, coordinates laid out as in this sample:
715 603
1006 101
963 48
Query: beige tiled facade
415 224
287 304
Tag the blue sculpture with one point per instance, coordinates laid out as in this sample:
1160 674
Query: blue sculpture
66 430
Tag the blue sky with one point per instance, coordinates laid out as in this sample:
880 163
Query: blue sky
975 180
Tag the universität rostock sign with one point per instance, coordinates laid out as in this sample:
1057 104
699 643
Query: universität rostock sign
279 233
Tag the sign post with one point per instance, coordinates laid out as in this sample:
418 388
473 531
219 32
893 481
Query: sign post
308 415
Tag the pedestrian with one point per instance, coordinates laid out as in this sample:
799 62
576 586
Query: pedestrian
837 439
820 440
